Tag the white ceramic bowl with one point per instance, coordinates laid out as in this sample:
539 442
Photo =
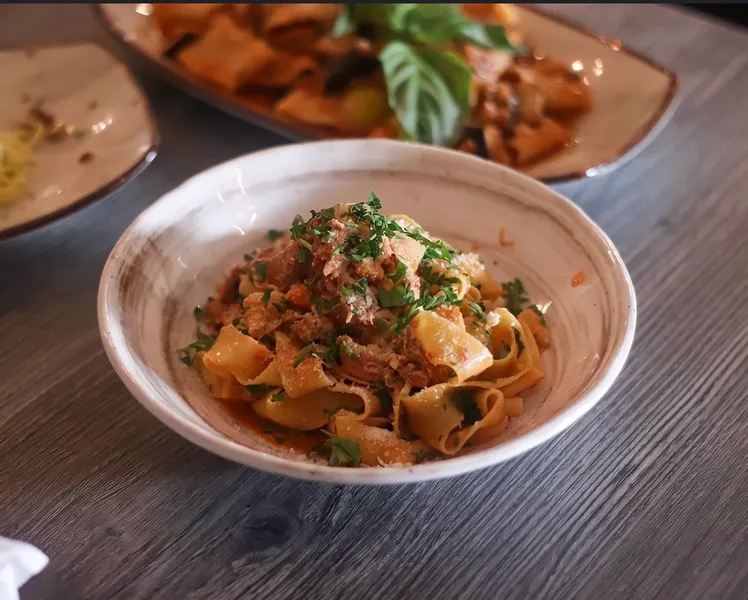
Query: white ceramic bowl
170 258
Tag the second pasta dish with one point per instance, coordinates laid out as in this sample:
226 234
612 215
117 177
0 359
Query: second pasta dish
385 344
452 75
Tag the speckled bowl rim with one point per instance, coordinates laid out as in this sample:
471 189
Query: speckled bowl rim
112 336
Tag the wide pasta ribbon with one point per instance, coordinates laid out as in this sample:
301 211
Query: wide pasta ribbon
445 416
316 409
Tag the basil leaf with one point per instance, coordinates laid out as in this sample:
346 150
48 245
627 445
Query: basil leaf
428 90
485 35
427 23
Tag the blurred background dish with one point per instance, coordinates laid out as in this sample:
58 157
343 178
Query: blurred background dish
573 105
74 126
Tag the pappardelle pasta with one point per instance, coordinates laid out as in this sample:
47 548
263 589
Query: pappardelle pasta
389 342
459 75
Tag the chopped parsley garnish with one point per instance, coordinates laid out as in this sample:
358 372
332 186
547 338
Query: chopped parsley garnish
279 396
463 401
478 309
279 307
435 278
321 303
306 244
298 227
398 296
249 257
343 453
305 351
515 296
347 350
258 390
275 234
280 439
398 273
203 343
265 298
420 456
199 313
261 270
520 345
538 312
303 255
357 288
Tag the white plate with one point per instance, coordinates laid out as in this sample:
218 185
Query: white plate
87 88
633 96
176 251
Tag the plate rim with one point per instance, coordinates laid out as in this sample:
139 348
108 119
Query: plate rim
110 330
222 100
142 162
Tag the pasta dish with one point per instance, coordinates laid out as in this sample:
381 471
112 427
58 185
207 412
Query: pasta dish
453 75
380 343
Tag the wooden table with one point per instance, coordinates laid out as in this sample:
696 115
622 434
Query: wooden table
646 497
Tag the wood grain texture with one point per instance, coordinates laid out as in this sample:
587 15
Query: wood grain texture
645 498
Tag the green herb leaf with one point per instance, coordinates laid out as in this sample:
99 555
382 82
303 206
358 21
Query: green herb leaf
249 257
381 324
280 439
279 396
258 390
321 304
428 23
265 298
275 234
515 296
486 35
344 24
399 296
421 455
520 345
357 288
347 350
199 313
298 227
261 270
429 91
478 309
203 343
463 401
303 255
343 453
306 244
305 351
398 273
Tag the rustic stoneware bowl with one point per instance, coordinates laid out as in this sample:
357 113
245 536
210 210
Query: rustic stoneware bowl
170 258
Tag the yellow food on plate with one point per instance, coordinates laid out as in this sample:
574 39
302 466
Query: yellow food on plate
366 330
458 75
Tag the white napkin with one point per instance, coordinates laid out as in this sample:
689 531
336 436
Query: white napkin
19 562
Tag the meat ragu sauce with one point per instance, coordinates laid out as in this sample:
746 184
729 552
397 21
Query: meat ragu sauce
355 327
